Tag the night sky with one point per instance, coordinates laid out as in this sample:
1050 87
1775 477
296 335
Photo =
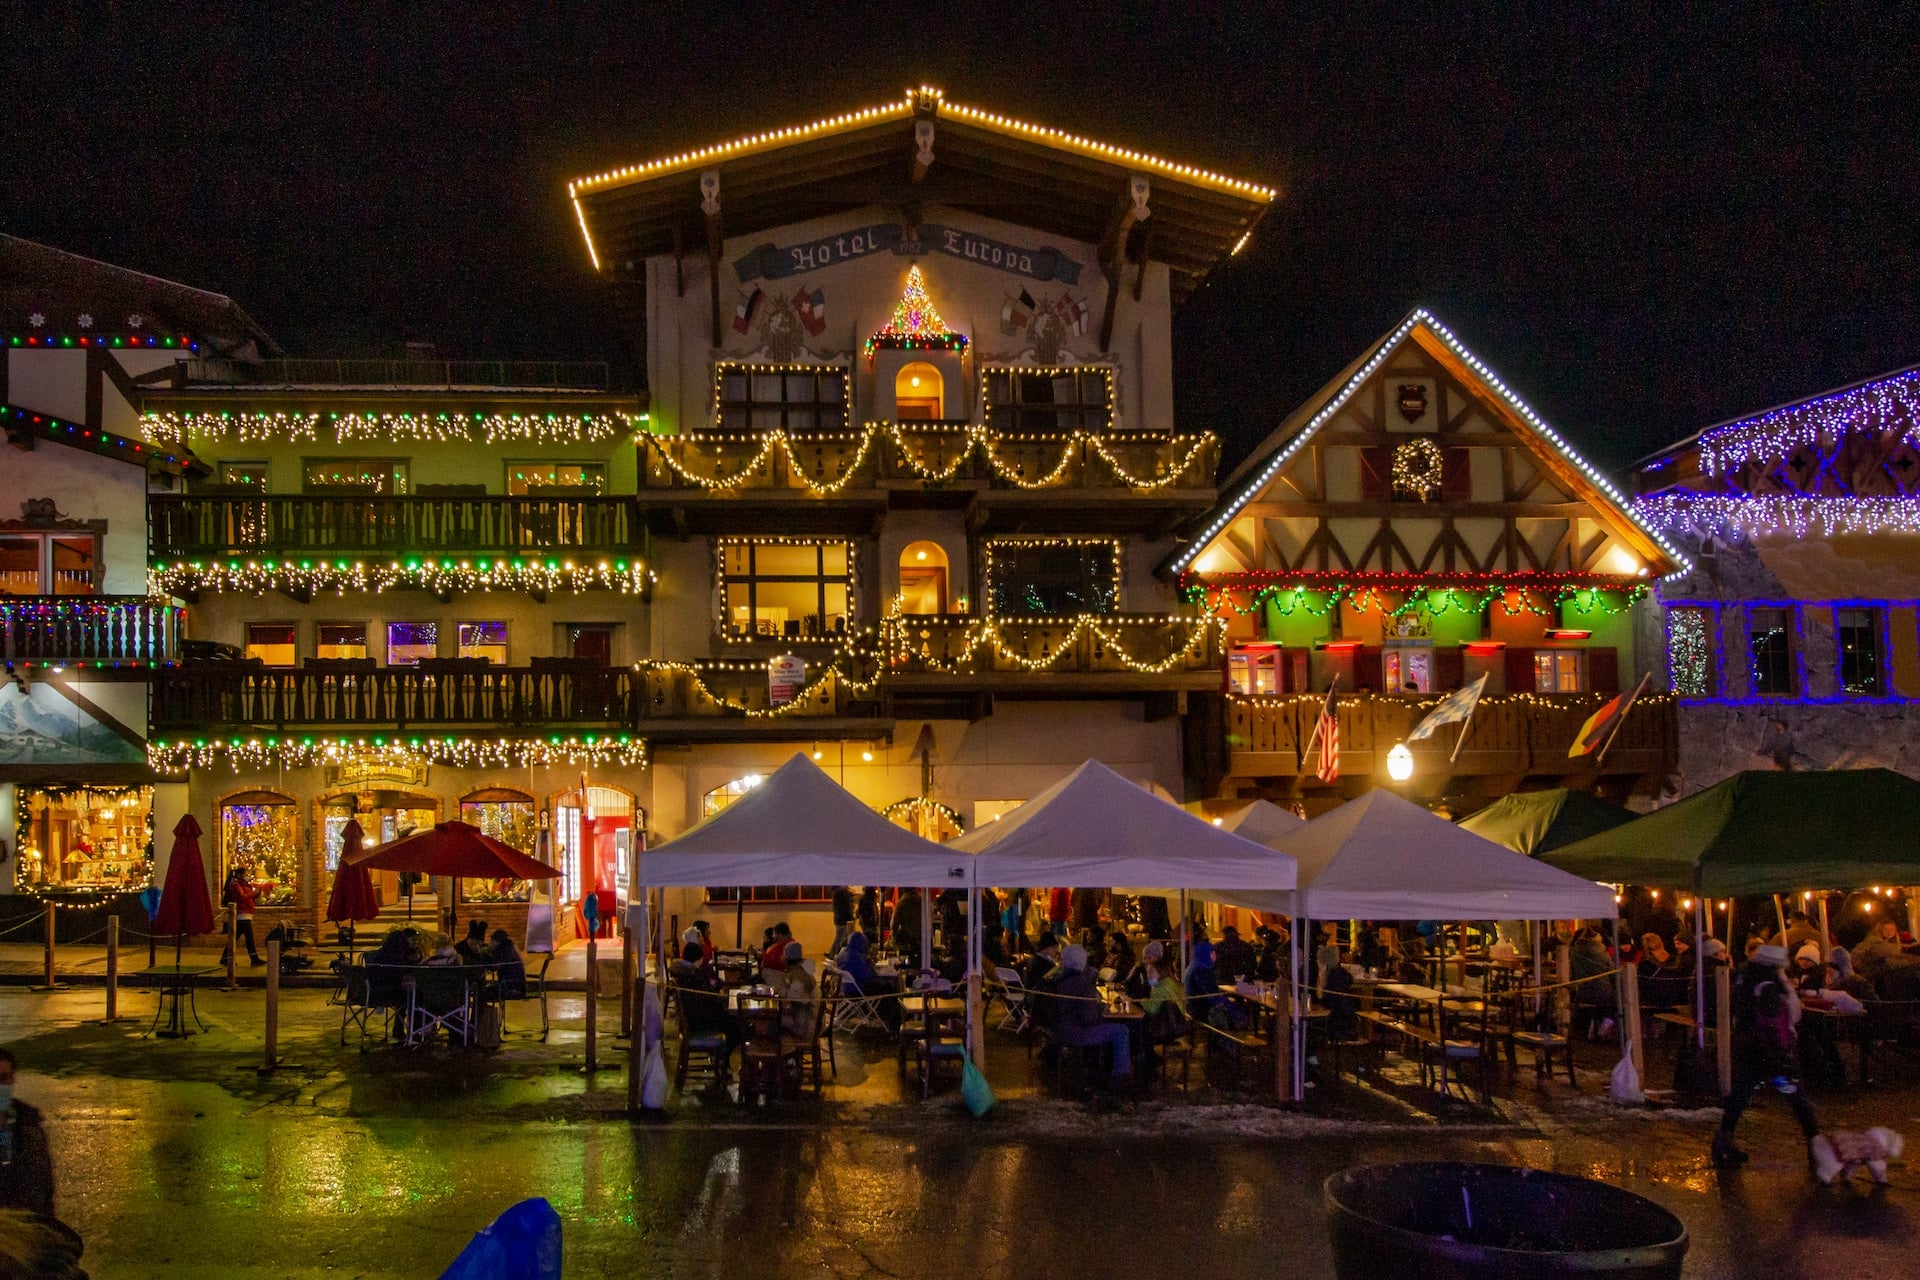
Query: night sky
1646 230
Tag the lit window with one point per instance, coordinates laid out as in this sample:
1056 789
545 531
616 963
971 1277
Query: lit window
569 478
1558 671
722 797
340 640
1059 578
408 642
758 398
923 578
1690 651
244 475
1050 400
483 640
272 643
785 590
1770 652
1408 669
917 392
49 564
1254 671
1857 633
381 477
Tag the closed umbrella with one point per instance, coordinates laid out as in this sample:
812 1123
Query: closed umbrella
185 905
352 897
457 849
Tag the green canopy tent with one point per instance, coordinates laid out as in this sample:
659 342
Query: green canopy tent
1533 822
1764 832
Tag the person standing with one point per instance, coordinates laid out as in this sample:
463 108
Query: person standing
26 1163
241 896
843 916
1766 1013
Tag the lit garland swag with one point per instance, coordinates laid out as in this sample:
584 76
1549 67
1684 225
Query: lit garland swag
1514 598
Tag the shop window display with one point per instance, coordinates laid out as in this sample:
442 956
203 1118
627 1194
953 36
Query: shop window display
511 818
84 837
260 835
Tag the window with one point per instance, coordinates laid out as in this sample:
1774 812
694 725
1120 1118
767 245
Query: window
244 475
570 478
773 893
483 640
721 798
923 578
91 836
1049 400
1053 577
760 398
359 476
1690 651
408 642
340 640
272 642
592 641
785 590
1254 671
1408 669
917 392
1856 632
49 564
1770 652
260 835
1559 671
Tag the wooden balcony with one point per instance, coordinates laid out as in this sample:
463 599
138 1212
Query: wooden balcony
217 526
109 631
1109 655
1121 480
1509 738
661 702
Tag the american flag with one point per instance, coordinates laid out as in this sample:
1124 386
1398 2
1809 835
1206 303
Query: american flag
1327 730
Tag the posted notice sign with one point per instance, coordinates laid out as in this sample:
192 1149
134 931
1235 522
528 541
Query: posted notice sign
786 677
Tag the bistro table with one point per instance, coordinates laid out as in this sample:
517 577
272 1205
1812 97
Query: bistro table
175 981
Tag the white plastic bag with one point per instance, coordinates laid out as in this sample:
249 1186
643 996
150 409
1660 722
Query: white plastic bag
1626 1081
653 1084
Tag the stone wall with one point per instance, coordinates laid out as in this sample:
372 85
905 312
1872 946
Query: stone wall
1718 740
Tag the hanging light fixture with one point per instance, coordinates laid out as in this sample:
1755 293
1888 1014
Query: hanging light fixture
1400 762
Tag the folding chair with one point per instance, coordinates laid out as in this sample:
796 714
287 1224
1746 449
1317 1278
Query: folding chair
852 1008
355 1005
440 1000
1011 992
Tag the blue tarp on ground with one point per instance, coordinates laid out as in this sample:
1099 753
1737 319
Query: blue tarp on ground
521 1244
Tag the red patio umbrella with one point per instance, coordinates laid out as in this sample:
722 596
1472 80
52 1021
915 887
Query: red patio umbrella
185 905
352 897
457 849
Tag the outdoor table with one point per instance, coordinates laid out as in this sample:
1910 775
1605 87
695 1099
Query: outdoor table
927 1009
1838 1025
175 981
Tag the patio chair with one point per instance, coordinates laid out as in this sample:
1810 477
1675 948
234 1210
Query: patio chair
943 1045
1466 1042
705 1053
357 1007
852 1009
1544 1041
807 1052
440 1001
1011 992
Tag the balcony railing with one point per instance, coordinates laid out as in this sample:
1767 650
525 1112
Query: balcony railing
214 526
474 693
932 453
111 630
1117 644
555 375
1529 734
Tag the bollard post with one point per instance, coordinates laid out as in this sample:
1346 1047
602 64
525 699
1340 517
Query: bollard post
273 1006
50 982
1723 1026
1630 1018
1563 975
626 982
593 1004
233 948
113 968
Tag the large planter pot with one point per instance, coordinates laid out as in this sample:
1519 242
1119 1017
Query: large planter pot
1413 1220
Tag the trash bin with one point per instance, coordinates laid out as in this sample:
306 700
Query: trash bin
1453 1220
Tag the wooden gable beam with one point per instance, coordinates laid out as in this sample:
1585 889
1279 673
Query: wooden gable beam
922 149
1113 247
710 206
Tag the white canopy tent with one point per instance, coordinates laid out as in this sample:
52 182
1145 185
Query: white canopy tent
1263 822
1094 829
801 827
1384 858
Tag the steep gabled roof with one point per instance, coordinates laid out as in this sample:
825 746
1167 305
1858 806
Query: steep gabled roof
1270 458
73 296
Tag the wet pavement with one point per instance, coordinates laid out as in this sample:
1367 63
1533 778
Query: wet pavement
182 1160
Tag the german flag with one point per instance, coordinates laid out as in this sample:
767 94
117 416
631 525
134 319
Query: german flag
1604 723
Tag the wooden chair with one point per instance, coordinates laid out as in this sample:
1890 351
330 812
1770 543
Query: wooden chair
705 1053
1543 1042
806 1053
1466 1043
943 1044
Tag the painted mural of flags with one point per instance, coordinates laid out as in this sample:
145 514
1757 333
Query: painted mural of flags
1017 315
749 307
812 310
1074 312
1327 730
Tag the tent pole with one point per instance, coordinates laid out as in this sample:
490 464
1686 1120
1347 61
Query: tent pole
1183 936
1826 934
637 921
1779 916
976 1037
1533 927
1298 1014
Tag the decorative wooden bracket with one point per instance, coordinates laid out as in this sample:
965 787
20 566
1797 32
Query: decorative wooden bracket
710 206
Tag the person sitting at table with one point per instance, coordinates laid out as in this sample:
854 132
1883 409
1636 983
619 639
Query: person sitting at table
706 939
473 947
504 957
1271 963
1800 931
1655 960
1336 991
1233 959
796 989
859 977
1164 1005
1593 997
1841 977
1413 961
698 991
993 950
1042 971
1138 979
1080 1015
443 952
1119 955
775 955
1879 954
1201 980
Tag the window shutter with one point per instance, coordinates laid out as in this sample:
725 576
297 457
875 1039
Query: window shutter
1376 474
1449 669
1520 670
1456 475
1603 670
1367 668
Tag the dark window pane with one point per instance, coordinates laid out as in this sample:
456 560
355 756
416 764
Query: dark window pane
1857 634
1054 579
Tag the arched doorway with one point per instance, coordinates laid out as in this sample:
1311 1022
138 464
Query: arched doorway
923 578
259 833
918 392
594 830
386 812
